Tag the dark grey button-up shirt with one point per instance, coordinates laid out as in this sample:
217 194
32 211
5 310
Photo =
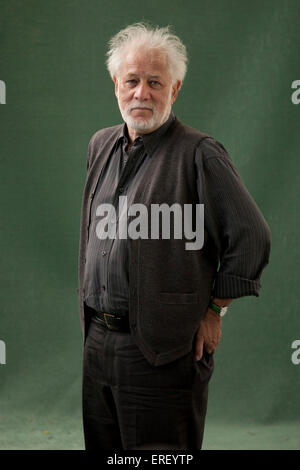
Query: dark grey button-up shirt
230 210
106 284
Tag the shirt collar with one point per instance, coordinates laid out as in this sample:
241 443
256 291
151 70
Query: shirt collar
149 140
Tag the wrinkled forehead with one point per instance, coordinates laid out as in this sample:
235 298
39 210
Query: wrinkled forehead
141 60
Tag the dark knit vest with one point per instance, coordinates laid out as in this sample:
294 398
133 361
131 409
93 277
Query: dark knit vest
170 287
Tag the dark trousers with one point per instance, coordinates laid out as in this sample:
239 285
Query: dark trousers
130 404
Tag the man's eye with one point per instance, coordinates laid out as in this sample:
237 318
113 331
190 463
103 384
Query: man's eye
154 82
131 82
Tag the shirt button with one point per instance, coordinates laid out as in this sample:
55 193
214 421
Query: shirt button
121 190
103 253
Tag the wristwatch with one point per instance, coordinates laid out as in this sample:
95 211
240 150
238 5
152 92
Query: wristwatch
216 308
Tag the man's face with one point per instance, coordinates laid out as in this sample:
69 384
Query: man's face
144 90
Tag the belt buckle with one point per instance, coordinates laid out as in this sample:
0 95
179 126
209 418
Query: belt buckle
107 324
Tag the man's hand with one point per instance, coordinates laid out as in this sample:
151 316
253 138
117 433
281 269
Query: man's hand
208 334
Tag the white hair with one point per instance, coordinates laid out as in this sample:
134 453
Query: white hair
141 34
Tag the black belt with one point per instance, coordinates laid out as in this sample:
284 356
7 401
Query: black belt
112 321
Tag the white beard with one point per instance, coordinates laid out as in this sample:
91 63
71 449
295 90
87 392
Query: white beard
149 124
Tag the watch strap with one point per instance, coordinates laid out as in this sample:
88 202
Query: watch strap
217 309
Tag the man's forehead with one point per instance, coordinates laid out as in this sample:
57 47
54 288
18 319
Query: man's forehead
133 73
154 61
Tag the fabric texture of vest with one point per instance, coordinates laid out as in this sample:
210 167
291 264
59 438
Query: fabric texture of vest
170 287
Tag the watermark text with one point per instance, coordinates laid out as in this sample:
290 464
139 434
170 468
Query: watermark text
295 97
188 222
2 352
295 357
2 92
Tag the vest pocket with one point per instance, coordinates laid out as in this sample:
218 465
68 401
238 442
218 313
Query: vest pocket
178 297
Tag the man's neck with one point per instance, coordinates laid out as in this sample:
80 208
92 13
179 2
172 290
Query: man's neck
134 133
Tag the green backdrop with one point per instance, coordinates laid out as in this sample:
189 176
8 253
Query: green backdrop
243 59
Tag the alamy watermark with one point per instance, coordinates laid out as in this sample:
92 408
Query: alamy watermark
2 92
295 357
160 217
2 352
295 97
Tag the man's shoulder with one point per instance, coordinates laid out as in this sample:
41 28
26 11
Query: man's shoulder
102 135
189 131
209 145
212 148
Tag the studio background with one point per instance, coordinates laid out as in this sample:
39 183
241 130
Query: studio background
243 59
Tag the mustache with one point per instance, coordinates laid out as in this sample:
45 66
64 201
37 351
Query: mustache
141 105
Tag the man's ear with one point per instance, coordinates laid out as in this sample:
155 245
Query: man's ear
175 90
116 85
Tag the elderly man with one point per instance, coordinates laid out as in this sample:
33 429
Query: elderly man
151 306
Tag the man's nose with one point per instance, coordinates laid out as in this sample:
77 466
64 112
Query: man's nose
142 91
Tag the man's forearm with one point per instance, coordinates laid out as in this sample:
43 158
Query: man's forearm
222 302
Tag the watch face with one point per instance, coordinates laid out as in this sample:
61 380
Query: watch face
223 311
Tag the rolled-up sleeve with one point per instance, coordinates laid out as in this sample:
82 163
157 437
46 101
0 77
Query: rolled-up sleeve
234 224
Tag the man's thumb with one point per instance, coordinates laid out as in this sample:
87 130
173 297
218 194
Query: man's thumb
199 349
